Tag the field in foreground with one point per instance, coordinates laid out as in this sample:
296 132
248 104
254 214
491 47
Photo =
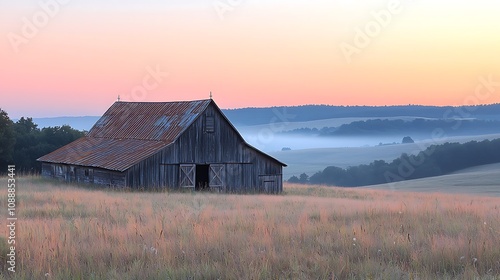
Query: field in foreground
65 232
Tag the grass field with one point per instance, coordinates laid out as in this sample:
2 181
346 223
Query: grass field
68 232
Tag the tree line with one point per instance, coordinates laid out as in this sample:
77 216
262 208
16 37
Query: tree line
255 116
436 160
22 142
378 127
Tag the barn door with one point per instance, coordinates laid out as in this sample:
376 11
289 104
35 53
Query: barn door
216 176
269 183
91 175
187 176
269 186
72 174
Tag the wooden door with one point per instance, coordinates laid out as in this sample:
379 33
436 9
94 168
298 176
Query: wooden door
270 186
187 176
269 183
216 176
72 174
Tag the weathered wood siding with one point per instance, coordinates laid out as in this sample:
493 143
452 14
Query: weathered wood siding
146 173
245 169
82 174
109 178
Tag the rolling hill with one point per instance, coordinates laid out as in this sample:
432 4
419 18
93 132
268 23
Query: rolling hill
479 180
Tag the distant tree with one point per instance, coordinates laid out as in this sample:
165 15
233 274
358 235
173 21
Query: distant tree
27 142
396 127
407 140
59 136
294 180
331 175
304 178
32 143
7 140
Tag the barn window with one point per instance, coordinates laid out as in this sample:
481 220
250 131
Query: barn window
209 123
87 173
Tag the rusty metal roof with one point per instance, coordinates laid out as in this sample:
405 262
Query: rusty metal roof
111 154
157 121
129 132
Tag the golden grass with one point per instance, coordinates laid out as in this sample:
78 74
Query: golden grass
309 232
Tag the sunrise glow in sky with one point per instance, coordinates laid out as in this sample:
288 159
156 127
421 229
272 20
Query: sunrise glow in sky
74 57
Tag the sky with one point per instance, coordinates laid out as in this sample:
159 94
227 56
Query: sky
75 57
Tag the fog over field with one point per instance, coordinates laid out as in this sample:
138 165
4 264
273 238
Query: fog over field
348 132
347 152
275 142
270 140
310 153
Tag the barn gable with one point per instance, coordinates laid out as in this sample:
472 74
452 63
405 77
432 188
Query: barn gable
166 144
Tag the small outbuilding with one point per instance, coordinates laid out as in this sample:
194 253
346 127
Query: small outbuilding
152 145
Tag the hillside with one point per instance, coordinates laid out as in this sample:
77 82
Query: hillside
257 116
436 160
310 161
479 180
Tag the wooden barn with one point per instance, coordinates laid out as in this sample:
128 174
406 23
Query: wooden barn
188 144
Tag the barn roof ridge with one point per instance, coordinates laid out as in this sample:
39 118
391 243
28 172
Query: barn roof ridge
179 101
152 140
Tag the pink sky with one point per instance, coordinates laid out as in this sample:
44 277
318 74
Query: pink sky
257 53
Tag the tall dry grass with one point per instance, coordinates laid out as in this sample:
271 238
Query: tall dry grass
68 232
